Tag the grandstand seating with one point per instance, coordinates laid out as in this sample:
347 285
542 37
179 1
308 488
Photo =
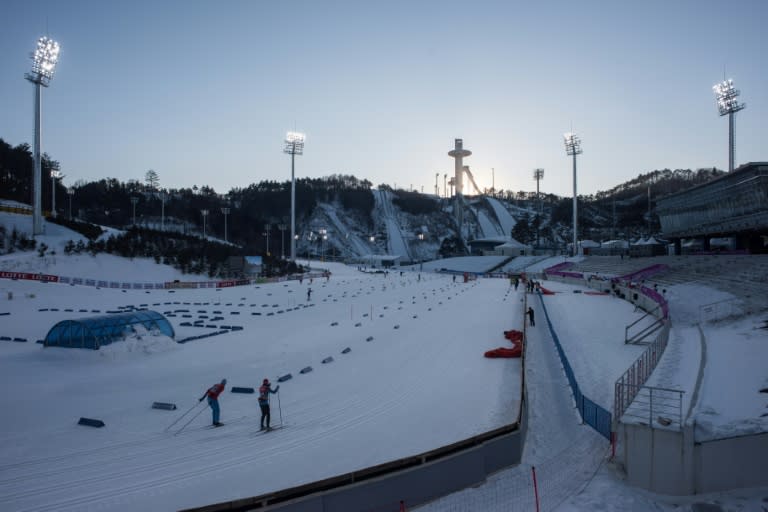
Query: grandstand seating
743 276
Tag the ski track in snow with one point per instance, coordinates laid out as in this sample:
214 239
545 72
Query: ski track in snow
565 453
144 468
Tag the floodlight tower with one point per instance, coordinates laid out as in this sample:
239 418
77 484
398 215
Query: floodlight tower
538 175
267 230
728 104
70 193
134 200
573 148
55 174
437 187
204 213
225 212
281 227
458 153
44 60
294 145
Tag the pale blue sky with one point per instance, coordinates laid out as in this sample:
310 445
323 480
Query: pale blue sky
203 91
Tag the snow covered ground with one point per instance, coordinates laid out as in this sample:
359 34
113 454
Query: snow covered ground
421 382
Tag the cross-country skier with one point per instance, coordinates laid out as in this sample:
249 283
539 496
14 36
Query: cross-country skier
213 400
309 294
531 320
264 392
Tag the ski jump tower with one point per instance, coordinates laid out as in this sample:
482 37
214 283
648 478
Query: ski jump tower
458 154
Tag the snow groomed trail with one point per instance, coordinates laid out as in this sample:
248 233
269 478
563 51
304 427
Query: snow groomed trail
399 389
565 453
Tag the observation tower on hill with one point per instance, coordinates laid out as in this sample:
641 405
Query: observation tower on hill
458 154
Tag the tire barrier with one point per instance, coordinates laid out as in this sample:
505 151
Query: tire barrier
164 406
346 350
89 422
369 338
285 377
236 389
306 369
327 360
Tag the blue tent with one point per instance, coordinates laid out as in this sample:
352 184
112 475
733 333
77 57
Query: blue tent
95 331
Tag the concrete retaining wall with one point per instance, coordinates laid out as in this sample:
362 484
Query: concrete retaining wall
661 461
732 463
415 480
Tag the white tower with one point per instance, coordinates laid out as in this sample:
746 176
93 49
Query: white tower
458 154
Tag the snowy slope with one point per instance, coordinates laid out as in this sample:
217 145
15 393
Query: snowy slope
396 244
502 214
401 389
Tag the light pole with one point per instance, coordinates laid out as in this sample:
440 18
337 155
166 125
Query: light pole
55 174
162 210
225 211
70 193
437 187
282 227
538 175
44 60
294 145
134 200
323 237
573 148
267 229
204 214
727 104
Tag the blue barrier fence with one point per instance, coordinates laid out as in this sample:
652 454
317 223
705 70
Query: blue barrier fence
591 413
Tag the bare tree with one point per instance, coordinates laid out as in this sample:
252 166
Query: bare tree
152 179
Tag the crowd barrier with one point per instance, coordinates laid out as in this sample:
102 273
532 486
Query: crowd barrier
165 285
591 413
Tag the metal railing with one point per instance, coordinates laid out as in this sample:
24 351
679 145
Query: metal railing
652 406
720 310
642 335
629 384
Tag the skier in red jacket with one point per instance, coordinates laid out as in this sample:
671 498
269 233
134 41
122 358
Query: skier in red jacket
213 400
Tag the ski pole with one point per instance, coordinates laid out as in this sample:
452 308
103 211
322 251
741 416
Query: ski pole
179 418
279 408
187 423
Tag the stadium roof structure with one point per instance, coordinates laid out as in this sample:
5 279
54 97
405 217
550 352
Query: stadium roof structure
96 331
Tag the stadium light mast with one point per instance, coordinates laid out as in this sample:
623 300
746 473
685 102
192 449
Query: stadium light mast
294 145
55 174
70 193
573 148
44 60
134 200
727 104
204 213
538 175
226 211
282 227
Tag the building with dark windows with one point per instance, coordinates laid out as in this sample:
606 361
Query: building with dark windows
734 205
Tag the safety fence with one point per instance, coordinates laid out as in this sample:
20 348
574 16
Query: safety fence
632 381
720 310
166 285
652 406
591 413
